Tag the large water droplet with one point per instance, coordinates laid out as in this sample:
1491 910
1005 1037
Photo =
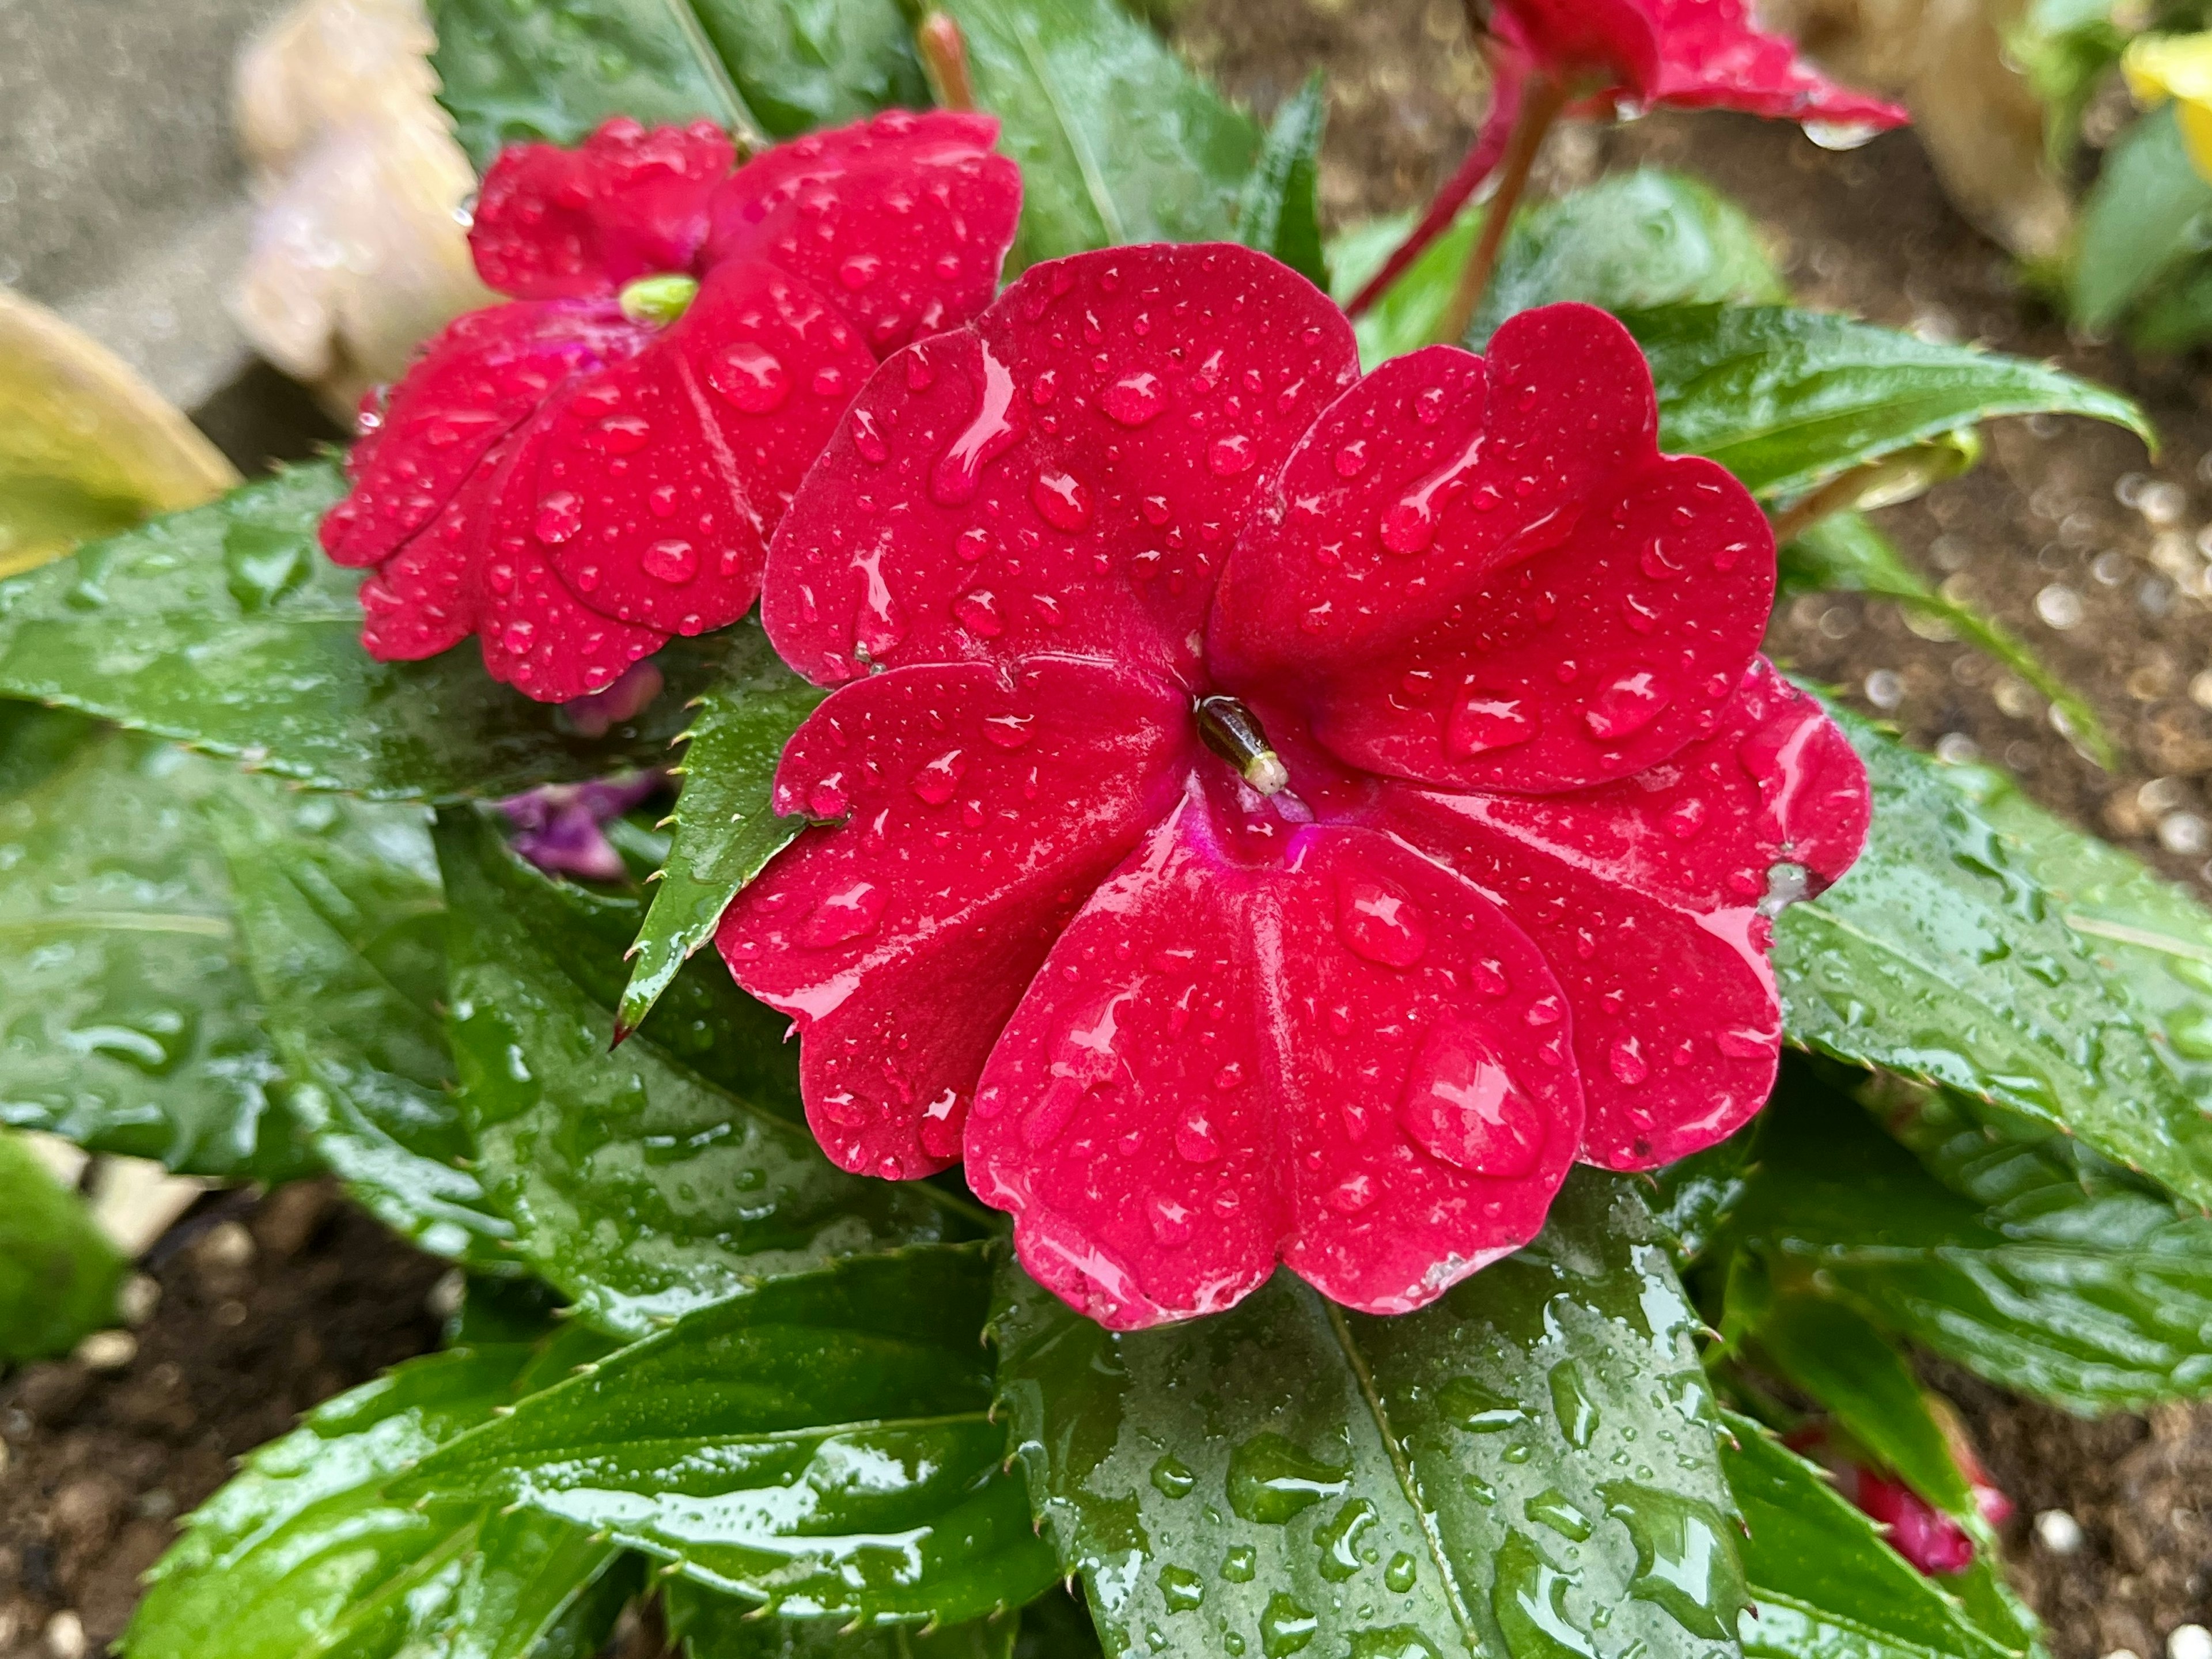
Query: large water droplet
1465 1403
1135 399
1062 498
1271 1480
1409 524
851 913
1550 1507
1572 1405
935 781
1379 924
749 378
1624 1057
1462 1106
1229 454
826 800
1529 1599
621 434
1685 1559
1483 720
1285 1626
1397 1641
1625 708
1172 1477
1182 1591
1339 1538
868 438
1402 1572
986 435
979 613
858 271
559 515
671 561
1351 458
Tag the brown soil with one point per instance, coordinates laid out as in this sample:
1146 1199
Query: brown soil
97 1466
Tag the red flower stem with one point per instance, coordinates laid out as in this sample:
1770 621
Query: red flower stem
1482 158
1837 495
944 58
1541 107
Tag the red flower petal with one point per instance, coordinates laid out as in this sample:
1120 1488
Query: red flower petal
904 218
1070 467
630 201
1482 574
1712 56
1645 895
422 599
478 379
977 812
660 481
1613 41
1347 1058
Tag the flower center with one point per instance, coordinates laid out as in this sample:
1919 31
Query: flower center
1233 732
657 301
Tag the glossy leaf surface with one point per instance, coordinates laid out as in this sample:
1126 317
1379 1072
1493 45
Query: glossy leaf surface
343 924
58 1273
226 628
2138 221
726 825
1943 955
306 1552
1279 212
127 1019
1505 1469
2075 1286
820 1444
1116 140
670 1172
1787 398
713 1626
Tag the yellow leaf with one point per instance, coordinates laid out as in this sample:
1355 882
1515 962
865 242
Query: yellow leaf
86 447
2177 66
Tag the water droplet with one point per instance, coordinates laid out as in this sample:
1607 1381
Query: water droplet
1195 1140
1063 499
849 914
1686 1561
1351 458
749 378
973 545
671 561
1748 1045
1241 1564
1429 405
1401 1573
1180 1590
622 434
1397 1642
1529 1598
1462 1106
1379 924
986 435
935 783
559 515
1483 720
1465 1403
921 373
1624 1060
1271 1480
978 613
1171 1220
857 272
1572 1405
828 800
1550 1507
1172 1477
1340 1540
1286 1626
878 623
1353 1195
1626 707
1135 399
1229 454
1409 524
868 439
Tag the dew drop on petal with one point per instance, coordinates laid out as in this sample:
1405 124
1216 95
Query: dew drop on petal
749 378
1194 1140
1351 459
1229 454
868 439
857 272
1625 708
1063 499
1009 731
828 800
1353 1195
978 613
960 468
849 914
1378 924
1135 399
1748 1045
935 783
1172 1221
671 561
559 515
973 545
1625 1058
622 434
1482 720
1462 1107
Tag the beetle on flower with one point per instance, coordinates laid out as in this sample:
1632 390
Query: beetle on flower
578 475
1268 814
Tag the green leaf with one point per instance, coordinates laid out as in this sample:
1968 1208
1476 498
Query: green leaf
2142 218
127 1020
1529 1458
1629 242
2076 1287
517 69
226 628
344 923
670 1172
1824 1583
306 1555
2152 935
712 1626
1843 553
1839 1359
1696 1194
1941 956
1787 399
725 825
1116 140
1280 213
821 1444
58 1273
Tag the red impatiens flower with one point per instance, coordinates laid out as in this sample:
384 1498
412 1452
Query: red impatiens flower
1601 54
581 474
1924 1536
1296 815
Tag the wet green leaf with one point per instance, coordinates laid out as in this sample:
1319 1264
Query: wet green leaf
713 1626
344 923
669 1172
820 1444
1696 1194
1787 399
517 69
307 1552
1281 212
2078 1287
225 628
58 1273
1528 1460
2142 217
1824 1583
1117 141
726 827
1846 554
127 1019
1943 956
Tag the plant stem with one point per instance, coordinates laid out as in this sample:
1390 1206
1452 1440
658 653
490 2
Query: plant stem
1540 107
1824 501
944 55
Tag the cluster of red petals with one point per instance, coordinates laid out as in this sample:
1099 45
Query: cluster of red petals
1924 1536
1507 911
573 482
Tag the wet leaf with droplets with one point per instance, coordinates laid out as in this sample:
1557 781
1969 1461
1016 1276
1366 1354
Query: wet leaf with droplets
1393 1487
670 1172
711 1625
820 1444
148 629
